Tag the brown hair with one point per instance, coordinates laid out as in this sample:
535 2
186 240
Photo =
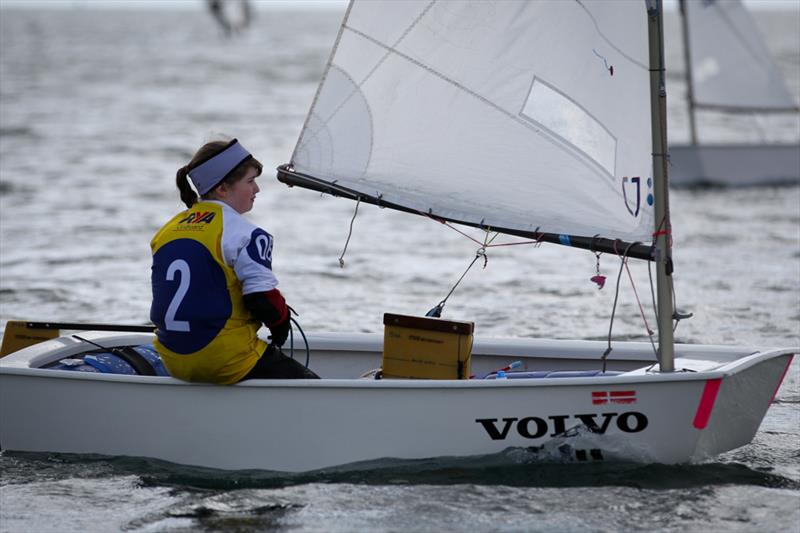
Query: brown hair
206 152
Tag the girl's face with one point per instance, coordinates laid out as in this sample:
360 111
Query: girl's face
242 193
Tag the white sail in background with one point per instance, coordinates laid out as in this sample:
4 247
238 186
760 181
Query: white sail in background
515 115
731 66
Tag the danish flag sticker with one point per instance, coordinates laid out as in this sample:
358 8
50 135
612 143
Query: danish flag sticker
614 396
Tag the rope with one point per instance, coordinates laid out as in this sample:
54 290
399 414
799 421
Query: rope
291 335
650 332
476 241
613 309
480 253
652 290
661 230
437 311
349 234
624 264
305 340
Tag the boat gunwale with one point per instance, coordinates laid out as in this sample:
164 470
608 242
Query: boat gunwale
697 361
635 377
373 342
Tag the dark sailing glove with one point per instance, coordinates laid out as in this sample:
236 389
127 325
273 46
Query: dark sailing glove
270 308
280 332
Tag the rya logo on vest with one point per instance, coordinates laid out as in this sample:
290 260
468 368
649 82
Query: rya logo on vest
198 217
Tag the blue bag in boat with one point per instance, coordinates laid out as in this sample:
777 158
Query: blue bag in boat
110 363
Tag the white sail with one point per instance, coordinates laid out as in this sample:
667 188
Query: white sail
731 66
515 115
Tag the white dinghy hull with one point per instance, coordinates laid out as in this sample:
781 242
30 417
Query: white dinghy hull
715 405
734 165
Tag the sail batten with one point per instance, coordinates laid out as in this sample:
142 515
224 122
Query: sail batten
522 115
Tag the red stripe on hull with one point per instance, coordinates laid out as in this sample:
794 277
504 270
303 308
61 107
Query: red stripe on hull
707 400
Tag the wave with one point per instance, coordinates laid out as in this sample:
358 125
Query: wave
519 467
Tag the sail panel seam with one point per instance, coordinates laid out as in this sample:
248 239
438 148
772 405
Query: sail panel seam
551 137
609 41
322 80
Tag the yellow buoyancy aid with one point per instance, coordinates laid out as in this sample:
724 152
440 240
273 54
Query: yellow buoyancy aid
204 332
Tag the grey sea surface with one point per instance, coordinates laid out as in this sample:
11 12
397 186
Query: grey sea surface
98 108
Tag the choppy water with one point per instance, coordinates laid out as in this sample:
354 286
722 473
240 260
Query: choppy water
98 109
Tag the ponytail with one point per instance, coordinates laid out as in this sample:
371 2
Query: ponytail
188 196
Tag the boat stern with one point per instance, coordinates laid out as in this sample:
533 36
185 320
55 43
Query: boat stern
731 408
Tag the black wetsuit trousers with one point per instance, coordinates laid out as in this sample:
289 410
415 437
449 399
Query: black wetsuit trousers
275 364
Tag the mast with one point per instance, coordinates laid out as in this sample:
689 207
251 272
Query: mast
687 61
663 233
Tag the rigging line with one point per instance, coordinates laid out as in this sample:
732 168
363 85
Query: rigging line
655 235
624 263
349 234
473 239
447 224
487 242
658 228
613 309
653 296
650 332
655 304
665 231
652 290
480 253
512 243
305 340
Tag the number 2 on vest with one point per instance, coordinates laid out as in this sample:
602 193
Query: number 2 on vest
179 265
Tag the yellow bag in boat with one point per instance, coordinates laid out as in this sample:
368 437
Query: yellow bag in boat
426 348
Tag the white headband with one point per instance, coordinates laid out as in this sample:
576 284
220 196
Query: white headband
211 172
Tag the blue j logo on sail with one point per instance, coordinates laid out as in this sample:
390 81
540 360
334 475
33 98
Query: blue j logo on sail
631 183
625 185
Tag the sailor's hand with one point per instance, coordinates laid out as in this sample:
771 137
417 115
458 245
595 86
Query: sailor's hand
280 332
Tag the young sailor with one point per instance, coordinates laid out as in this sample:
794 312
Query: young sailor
212 277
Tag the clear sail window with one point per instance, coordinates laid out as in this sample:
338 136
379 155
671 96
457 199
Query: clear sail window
564 118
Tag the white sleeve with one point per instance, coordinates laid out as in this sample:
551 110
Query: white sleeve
248 250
